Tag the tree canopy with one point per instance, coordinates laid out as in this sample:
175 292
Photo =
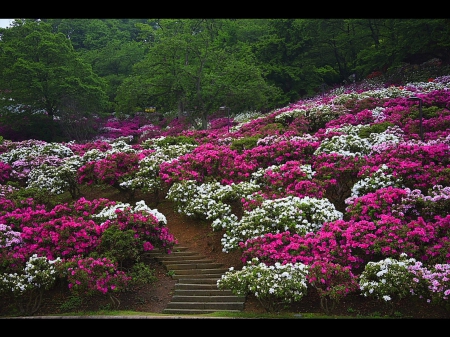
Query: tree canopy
81 68
189 70
40 73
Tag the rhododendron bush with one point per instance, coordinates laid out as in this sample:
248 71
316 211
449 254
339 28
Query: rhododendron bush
340 184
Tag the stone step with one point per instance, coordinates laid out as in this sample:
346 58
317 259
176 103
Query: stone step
197 280
210 286
173 255
193 265
213 277
199 272
198 298
185 260
196 289
217 306
176 248
211 291
193 311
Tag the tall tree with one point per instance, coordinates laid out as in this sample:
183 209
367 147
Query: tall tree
190 69
283 54
41 71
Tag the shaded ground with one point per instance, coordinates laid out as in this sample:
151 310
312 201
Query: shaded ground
199 236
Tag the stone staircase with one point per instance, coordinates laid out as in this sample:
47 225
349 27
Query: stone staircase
196 289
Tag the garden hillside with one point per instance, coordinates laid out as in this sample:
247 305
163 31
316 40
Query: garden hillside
343 194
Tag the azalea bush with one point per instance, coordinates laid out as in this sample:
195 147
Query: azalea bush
77 242
388 280
436 280
29 284
274 286
341 182
91 276
332 282
294 214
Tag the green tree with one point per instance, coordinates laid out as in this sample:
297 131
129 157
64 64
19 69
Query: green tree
190 69
284 55
394 42
110 46
41 74
114 63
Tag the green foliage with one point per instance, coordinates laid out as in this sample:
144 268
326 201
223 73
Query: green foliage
42 72
272 128
375 128
142 274
189 69
119 245
420 71
39 195
177 140
245 143
87 67
358 104
71 303
431 111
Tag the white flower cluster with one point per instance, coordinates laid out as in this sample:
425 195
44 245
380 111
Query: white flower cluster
294 214
294 113
283 282
21 153
109 213
39 273
387 279
93 155
426 87
390 92
120 146
388 138
346 145
56 149
147 178
53 179
203 201
324 112
36 150
379 179
378 114
244 117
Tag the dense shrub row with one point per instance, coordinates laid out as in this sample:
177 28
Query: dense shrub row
336 193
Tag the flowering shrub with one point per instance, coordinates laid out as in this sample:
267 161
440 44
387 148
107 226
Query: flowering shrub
388 280
28 286
148 226
55 234
9 237
297 215
339 182
204 201
332 282
55 180
62 237
5 172
89 276
374 180
274 286
111 170
436 279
